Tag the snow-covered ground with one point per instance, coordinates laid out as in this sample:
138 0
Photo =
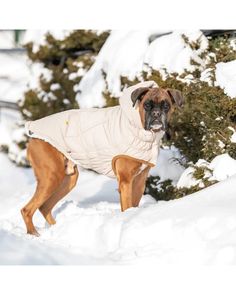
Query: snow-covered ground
90 229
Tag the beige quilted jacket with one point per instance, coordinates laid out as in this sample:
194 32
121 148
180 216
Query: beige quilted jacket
91 138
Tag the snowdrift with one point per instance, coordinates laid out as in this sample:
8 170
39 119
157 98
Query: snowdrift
90 229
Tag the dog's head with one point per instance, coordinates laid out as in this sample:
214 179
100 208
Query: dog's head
156 106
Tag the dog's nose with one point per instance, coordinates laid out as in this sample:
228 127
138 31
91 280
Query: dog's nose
156 113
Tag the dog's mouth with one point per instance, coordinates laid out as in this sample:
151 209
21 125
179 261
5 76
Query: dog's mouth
156 127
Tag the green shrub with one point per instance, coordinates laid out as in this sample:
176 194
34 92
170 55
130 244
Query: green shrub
200 130
165 190
63 59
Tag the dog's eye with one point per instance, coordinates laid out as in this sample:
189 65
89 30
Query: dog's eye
148 105
165 106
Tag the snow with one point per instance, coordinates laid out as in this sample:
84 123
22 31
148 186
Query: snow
127 53
122 54
167 166
171 52
233 137
14 70
55 86
16 154
222 167
38 37
7 39
233 44
90 229
14 73
19 74
226 77
187 179
11 134
80 73
207 76
7 125
38 70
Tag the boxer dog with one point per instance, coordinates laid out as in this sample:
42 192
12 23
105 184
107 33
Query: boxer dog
127 150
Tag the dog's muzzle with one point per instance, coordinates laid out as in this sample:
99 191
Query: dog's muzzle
156 126
158 121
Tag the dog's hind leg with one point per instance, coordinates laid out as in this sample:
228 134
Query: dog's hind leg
66 186
41 194
49 169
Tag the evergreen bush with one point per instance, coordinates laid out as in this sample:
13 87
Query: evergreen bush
203 127
66 61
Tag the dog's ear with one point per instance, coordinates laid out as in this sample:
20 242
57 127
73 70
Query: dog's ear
176 97
138 93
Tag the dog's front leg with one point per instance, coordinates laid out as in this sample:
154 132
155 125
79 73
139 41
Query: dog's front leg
125 189
126 170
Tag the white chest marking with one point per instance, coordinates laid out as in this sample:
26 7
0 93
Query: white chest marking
144 166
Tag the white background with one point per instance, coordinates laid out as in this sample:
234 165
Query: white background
151 279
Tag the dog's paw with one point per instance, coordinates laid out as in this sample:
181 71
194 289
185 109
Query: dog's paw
33 233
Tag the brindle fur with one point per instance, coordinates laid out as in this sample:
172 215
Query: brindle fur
157 95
